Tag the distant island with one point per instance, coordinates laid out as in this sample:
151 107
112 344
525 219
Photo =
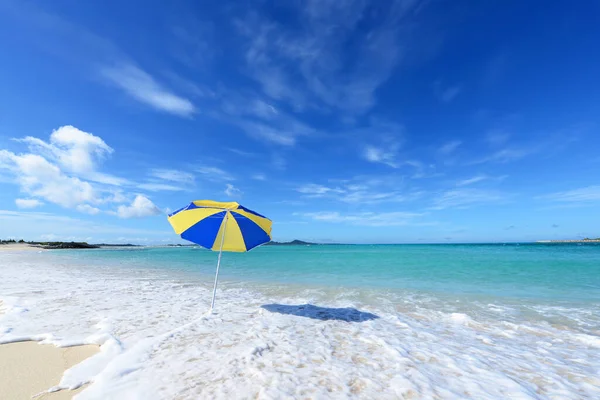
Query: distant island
586 240
64 245
292 243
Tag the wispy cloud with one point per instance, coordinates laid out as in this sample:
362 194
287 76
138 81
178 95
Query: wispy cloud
232 191
360 191
446 93
214 174
507 155
384 154
582 196
163 179
144 88
541 144
267 133
160 187
79 46
243 153
316 190
278 162
172 175
470 181
305 64
480 178
497 137
260 119
450 147
382 141
396 218
467 197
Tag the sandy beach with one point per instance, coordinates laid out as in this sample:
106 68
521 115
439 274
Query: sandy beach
29 368
19 247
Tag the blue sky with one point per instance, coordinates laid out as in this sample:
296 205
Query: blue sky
346 121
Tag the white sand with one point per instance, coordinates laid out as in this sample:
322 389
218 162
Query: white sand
19 247
28 368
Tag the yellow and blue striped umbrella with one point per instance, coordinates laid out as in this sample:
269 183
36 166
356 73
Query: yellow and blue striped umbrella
221 226
208 223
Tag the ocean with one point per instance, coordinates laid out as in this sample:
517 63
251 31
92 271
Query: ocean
519 321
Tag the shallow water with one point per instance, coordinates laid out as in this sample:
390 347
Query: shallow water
444 321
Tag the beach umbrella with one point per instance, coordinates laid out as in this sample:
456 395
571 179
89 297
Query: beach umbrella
221 226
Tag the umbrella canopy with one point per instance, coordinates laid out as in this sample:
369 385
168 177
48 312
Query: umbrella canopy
221 226
208 223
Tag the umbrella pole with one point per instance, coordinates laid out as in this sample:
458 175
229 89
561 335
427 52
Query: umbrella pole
212 303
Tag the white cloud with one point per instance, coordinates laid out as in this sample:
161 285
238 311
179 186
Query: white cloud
75 150
463 198
28 203
139 208
87 209
396 218
232 191
78 153
259 177
589 194
172 175
144 88
450 147
39 178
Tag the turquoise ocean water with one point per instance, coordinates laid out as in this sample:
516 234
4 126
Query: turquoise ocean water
548 272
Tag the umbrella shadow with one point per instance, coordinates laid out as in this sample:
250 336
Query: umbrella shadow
321 313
